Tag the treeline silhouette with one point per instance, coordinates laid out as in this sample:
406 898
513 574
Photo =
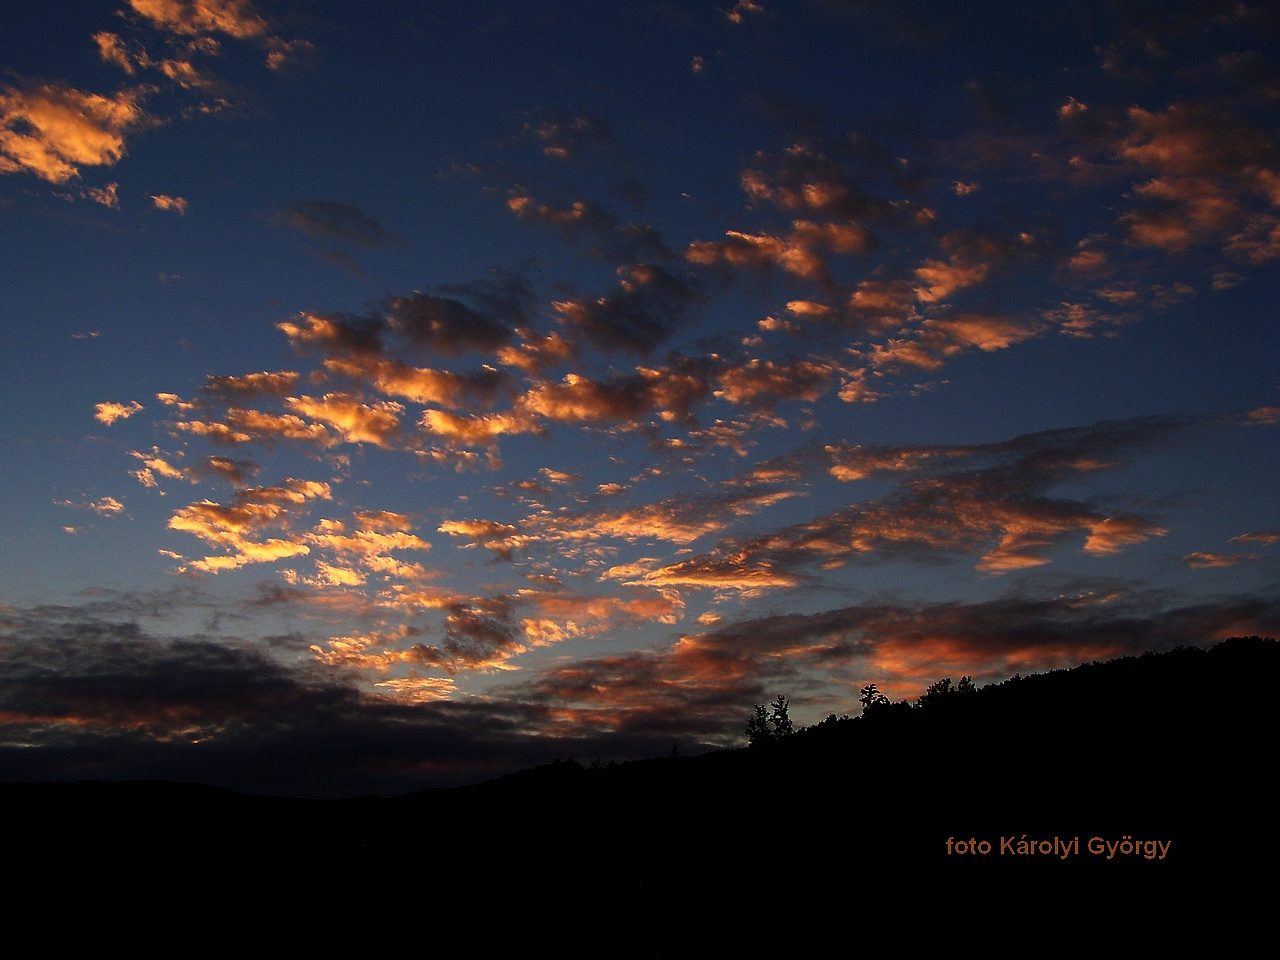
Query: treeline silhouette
1176 747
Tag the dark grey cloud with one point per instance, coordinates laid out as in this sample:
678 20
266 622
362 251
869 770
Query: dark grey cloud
649 304
445 325
480 316
335 222
89 698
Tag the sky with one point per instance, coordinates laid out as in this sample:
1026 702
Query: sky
399 395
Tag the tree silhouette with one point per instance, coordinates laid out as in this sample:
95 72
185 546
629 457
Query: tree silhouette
782 726
758 730
871 698
943 692
763 726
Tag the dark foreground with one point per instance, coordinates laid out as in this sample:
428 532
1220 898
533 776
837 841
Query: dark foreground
1087 790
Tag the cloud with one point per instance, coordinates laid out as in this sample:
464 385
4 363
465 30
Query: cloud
337 332
355 421
87 697
1265 537
132 57
236 18
1200 560
255 426
1211 171
424 385
477 431
504 539
881 305
236 526
989 501
235 472
762 382
103 506
339 222
165 202
646 308
737 13
671 391
537 354
250 511
679 520
703 681
376 533
446 325
263 384
564 615
855 178
113 49
109 412
53 130
938 280
565 137
802 252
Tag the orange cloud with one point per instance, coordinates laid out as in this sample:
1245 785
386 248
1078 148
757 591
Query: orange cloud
252 384
109 412
236 18
882 305
1265 537
235 526
52 130
420 384
1202 560
163 201
478 430
939 279
357 422
248 426
764 381
987 501
503 539
581 399
536 353
802 252
347 334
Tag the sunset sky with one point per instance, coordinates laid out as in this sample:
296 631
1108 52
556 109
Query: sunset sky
395 399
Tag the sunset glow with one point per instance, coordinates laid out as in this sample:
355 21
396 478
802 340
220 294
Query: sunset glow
397 398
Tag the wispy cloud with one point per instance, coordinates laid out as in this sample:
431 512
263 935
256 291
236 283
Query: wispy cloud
949 502
335 222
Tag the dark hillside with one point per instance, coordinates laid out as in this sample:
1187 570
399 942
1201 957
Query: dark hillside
1174 749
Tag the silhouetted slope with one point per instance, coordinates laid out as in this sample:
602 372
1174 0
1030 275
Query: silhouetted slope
1175 748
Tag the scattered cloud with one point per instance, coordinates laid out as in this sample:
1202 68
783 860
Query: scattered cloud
110 412
163 201
103 506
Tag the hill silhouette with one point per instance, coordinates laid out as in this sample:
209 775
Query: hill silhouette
1173 749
